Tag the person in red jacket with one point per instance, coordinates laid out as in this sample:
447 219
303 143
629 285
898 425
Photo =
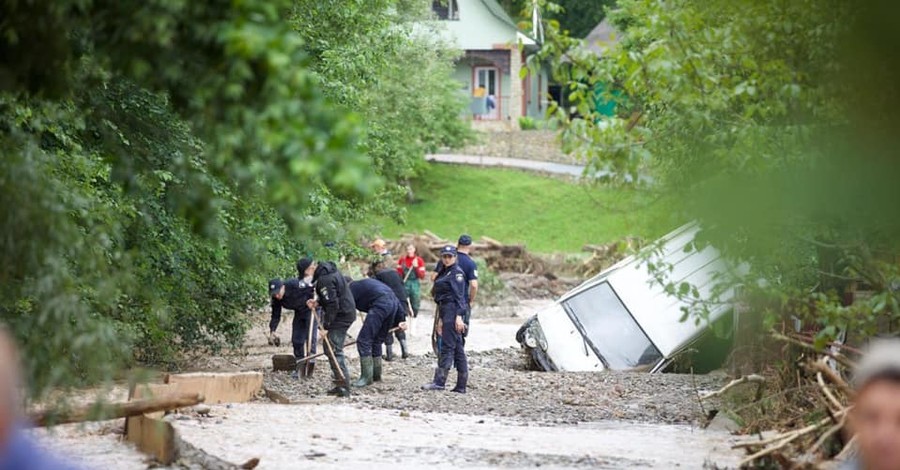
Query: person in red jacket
412 269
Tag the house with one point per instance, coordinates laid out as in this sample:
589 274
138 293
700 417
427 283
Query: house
599 41
494 52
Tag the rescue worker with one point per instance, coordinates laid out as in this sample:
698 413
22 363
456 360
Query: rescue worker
382 271
383 312
449 294
379 247
412 269
470 269
333 295
293 294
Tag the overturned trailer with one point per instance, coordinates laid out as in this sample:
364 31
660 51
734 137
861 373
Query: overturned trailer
623 318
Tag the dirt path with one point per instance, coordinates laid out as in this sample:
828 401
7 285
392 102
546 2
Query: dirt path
505 162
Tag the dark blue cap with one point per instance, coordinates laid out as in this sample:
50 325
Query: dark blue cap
275 286
448 250
465 240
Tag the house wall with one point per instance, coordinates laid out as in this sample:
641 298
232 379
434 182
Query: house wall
537 95
478 28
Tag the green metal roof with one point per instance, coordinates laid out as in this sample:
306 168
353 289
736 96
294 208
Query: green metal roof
500 13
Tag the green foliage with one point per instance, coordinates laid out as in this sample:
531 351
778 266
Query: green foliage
769 122
577 17
548 214
527 123
163 158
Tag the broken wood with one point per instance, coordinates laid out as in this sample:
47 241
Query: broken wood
832 377
191 453
284 362
102 412
752 378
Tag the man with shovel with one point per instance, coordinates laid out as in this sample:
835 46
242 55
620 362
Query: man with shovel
333 295
293 294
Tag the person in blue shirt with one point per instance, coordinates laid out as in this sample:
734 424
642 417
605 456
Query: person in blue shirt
383 312
294 294
449 293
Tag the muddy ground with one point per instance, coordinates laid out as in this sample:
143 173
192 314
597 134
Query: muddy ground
511 418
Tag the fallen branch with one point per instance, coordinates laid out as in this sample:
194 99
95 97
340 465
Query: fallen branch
843 360
782 440
827 434
102 412
752 378
833 377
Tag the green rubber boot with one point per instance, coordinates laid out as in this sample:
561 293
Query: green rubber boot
376 369
366 366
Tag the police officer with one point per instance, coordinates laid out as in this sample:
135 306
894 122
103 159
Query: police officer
383 311
449 294
293 294
382 270
333 295
469 268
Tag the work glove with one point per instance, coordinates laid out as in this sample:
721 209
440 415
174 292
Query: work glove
273 339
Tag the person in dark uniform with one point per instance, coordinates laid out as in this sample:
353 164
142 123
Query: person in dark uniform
470 269
383 312
333 295
383 271
293 294
449 294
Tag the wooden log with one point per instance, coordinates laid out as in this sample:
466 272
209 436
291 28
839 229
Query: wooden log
284 362
433 236
492 242
102 412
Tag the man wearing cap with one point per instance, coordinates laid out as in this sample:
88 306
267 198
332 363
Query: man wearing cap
449 294
383 312
293 294
333 295
379 247
875 415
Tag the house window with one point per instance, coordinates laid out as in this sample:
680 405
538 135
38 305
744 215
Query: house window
445 9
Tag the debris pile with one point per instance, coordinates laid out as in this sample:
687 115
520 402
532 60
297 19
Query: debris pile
515 258
812 436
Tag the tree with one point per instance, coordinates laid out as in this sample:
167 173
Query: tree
769 122
160 159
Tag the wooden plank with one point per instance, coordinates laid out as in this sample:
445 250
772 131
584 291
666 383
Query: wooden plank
217 388
284 362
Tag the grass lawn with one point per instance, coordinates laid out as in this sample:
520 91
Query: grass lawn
547 214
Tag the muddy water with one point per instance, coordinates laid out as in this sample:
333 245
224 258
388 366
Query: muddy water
330 436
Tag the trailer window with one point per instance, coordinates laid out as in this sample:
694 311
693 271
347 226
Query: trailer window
611 329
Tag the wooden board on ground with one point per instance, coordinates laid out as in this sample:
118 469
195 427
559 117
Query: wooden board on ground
284 362
219 388
149 433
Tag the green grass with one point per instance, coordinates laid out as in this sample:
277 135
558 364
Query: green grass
547 214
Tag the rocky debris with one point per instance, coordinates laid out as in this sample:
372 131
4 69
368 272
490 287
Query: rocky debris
525 286
500 385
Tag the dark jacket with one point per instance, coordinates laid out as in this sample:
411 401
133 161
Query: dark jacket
296 293
334 297
369 292
395 282
449 289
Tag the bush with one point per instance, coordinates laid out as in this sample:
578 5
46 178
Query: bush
527 123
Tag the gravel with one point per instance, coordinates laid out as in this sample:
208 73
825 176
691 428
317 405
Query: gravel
500 386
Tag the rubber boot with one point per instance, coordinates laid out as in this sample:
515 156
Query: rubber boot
404 349
389 352
336 390
376 369
440 379
462 379
366 366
